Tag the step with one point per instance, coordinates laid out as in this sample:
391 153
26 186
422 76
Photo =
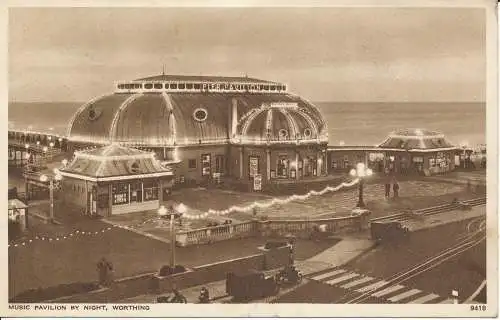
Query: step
387 291
328 274
342 279
424 299
404 295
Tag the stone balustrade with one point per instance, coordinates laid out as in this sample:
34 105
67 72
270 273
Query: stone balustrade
298 228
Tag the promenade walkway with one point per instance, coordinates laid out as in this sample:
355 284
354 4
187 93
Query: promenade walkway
340 254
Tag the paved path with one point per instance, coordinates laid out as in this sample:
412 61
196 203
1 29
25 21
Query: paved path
446 217
357 283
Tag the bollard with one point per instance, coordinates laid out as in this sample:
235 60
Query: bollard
454 293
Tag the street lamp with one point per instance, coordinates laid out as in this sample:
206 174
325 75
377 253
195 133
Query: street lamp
51 144
175 212
45 178
361 172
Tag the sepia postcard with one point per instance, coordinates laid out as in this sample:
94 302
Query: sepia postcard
250 158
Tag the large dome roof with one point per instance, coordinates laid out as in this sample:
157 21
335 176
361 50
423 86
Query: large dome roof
169 118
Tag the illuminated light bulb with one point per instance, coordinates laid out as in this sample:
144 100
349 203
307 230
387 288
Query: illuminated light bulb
352 172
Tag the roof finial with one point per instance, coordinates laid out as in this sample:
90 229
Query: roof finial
163 70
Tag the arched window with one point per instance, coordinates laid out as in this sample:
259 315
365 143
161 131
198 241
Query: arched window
283 134
182 86
158 86
148 86
173 86
307 133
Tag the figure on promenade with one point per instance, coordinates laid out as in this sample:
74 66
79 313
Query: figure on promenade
395 188
105 270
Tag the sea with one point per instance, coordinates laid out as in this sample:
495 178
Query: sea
349 123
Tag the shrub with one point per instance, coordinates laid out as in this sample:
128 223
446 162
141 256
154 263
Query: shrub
168 270
275 244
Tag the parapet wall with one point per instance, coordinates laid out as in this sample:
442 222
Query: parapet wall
273 228
151 283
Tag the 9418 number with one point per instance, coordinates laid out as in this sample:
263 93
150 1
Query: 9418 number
478 307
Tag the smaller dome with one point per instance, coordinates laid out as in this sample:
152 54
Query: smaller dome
416 139
279 124
416 133
113 161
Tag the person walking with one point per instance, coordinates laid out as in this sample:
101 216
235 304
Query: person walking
387 189
395 188
104 269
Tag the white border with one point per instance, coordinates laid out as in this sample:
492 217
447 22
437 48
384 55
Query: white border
306 310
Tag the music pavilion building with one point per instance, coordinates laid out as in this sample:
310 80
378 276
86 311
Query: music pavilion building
233 128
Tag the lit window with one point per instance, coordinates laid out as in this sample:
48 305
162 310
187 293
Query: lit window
120 193
283 134
136 192
307 132
206 163
150 191
253 166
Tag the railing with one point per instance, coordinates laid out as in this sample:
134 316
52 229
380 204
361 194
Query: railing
302 227
432 210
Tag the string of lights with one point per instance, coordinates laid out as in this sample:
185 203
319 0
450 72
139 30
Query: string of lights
267 204
73 234
204 215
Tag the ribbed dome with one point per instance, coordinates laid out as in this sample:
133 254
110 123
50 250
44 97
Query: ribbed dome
281 122
165 119
416 139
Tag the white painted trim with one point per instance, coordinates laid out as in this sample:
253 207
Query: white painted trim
249 120
397 136
123 106
116 178
291 122
81 109
269 121
435 150
84 155
309 120
171 117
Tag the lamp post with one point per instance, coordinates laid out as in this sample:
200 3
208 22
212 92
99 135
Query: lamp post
175 212
45 178
361 172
